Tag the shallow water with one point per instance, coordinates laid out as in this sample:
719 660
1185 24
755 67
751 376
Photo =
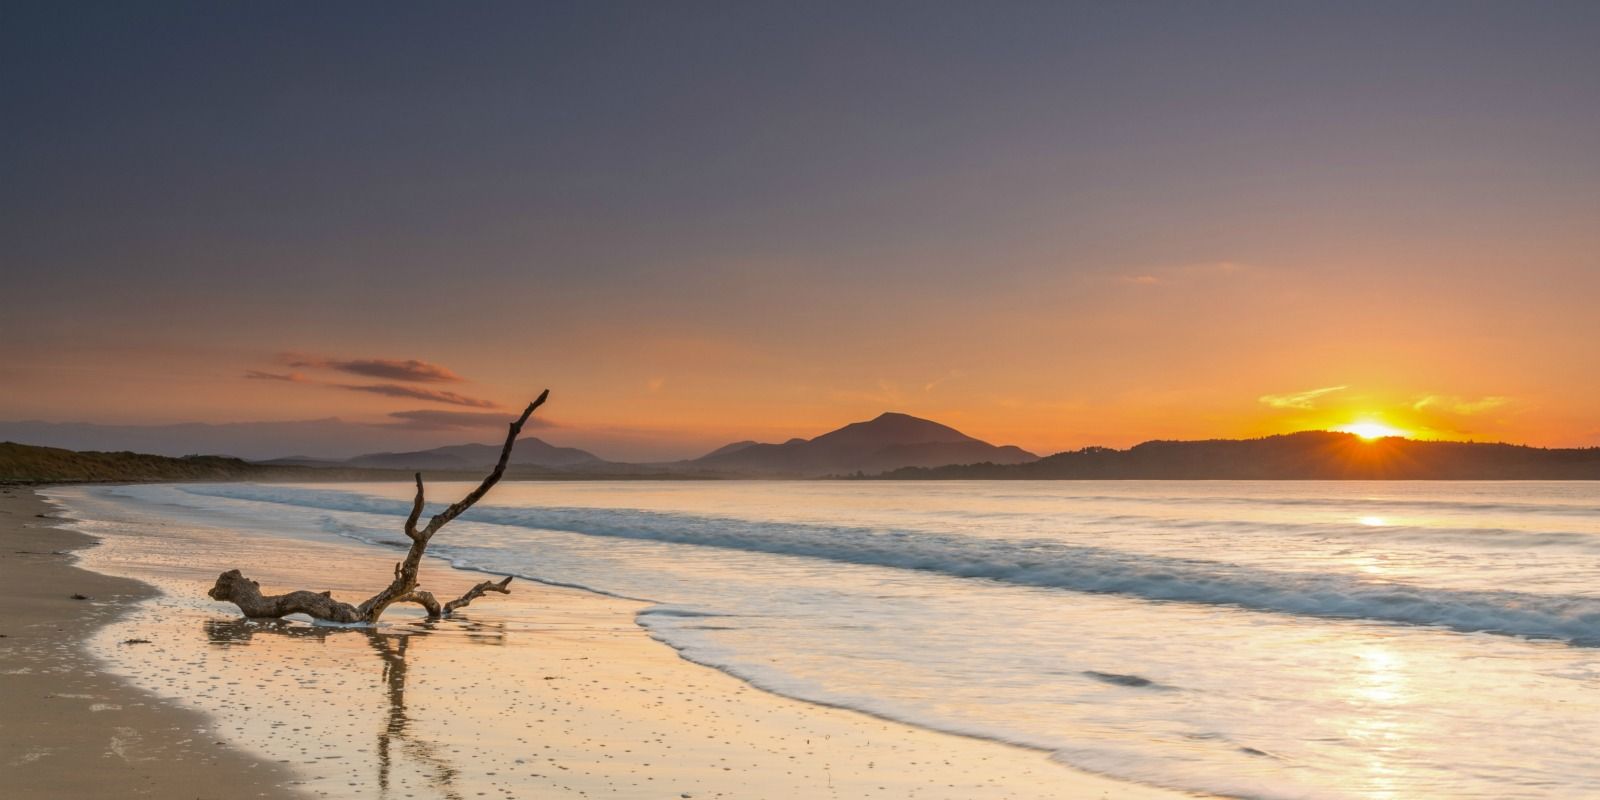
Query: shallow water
1273 640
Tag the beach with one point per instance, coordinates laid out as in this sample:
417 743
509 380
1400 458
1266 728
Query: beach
549 692
801 639
1338 640
70 729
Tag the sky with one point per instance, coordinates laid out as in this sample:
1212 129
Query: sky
1052 225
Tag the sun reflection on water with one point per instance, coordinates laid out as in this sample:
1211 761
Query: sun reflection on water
1380 698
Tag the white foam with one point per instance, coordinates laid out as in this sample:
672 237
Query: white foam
1040 562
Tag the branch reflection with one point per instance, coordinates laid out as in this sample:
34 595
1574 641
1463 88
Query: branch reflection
399 737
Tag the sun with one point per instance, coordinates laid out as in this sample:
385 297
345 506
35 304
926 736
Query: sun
1370 430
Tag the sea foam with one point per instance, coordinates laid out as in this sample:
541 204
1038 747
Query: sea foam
1037 562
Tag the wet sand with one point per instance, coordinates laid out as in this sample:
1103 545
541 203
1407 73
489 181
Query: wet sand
67 728
550 692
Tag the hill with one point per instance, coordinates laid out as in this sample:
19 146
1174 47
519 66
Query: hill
530 451
22 463
1309 455
889 441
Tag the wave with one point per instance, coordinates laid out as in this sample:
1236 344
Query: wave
1346 503
1045 563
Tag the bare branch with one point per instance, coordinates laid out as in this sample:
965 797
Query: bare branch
443 518
424 599
416 511
476 592
245 593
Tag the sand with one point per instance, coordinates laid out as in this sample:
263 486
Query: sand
67 728
551 692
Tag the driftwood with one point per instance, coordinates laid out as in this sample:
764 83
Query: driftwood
234 587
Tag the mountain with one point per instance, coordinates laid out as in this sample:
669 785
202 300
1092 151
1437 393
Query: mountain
1308 455
315 439
530 451
22 463
893 445
729 448
890 441
319 443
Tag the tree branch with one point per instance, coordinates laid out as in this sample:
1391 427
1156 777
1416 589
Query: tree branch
476 592
245 593
416 511
443 518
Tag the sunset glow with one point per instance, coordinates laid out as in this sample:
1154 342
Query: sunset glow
706 255
1371 430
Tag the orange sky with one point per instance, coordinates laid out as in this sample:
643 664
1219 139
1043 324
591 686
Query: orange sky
1055 227
1114 357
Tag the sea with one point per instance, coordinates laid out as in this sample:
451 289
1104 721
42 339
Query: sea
1358 640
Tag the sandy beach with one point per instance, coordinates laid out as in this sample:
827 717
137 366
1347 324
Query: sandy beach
551 692
68 728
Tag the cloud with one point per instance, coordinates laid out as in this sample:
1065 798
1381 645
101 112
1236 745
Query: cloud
1459 405
409 370
290 377
888 393
437 420
1304 400
893 394
434 395
948 376
1184 272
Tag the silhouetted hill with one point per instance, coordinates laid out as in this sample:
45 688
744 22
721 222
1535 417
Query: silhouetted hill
317 439
530 451
728 448
23 463
1309 455
888 442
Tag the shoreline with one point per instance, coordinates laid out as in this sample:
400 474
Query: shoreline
637 695
70 729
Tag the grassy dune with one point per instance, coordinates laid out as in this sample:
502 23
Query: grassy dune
22 463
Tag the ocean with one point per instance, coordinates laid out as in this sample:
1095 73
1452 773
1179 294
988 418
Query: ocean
1248 639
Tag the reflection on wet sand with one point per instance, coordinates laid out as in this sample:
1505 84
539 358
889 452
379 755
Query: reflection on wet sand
398 732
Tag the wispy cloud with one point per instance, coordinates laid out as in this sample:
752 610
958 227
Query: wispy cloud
408 370
437 420
1183 272
1303 400
434 395
948 376
289 377
887 393
1459 405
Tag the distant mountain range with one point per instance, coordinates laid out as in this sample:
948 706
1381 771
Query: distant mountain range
1309 455
23 463
890 441
330 438
893 446
530 451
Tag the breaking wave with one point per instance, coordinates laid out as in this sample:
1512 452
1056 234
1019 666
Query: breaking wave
1034 562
